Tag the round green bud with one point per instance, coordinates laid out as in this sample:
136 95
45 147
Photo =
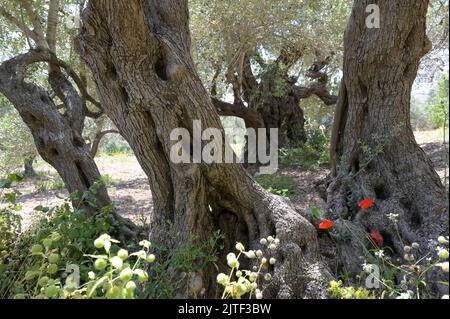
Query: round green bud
52 269
100 264
122 254
43 281
51 291
30 275
142 275
37 249
240 247
130 286
126 275
99 243
151 258
53 258
443 254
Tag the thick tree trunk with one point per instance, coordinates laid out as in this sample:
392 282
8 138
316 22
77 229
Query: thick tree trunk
139 52
57 138
375 153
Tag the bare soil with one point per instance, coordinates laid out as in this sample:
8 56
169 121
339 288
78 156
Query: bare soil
131 193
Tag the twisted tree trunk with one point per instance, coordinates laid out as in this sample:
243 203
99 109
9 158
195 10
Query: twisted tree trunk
373 146
274 100
57 136
139 53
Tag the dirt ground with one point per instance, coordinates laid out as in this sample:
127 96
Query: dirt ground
131 193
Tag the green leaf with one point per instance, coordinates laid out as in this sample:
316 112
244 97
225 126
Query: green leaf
14 178
41 208
11 197
316 213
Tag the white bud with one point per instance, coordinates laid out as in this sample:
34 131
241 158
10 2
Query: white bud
442 240
222 279
240 247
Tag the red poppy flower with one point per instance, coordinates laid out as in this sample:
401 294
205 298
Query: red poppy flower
377 238
326 225
366 204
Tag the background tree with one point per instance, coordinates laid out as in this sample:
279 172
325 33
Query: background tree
16 142
54 104
267 57
373 147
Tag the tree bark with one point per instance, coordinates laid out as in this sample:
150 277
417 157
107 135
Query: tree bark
57 136
97 140
139 53
274 101
373 147
28 168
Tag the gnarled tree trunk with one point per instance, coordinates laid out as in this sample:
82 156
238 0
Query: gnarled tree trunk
139 53
57 136
373 146
274 100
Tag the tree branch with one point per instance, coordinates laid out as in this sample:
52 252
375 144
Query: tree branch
52 24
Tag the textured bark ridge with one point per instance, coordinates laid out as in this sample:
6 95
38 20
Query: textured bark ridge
139 52
57 136
375 153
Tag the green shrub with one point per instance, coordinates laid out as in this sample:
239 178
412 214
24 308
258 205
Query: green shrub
10 221
311 156
55 183
64 231
439 104
278 185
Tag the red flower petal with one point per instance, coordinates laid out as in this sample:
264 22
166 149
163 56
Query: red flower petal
377 238
326 225
366 204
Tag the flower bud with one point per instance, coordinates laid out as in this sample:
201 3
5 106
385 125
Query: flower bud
443 254
240 247
222 279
